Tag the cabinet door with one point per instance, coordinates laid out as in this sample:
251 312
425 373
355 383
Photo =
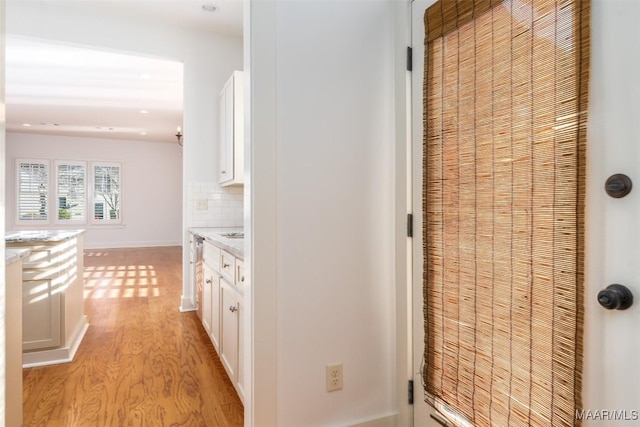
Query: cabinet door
226 132
230 312
40 315
206 297
239 285
240 366
214 333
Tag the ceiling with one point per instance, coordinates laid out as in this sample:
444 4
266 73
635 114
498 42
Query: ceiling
57 89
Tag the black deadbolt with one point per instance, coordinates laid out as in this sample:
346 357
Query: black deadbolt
618 185
615 297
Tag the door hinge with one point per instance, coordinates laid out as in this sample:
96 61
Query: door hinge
409 58
409 225
410 390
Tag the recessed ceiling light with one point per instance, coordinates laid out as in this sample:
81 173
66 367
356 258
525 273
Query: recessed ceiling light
209 7
144 112
144 76
143 133
26 125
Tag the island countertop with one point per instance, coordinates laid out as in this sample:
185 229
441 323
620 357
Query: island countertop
12 255
40 236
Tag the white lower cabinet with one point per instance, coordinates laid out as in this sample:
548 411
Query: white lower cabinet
240 371
41 314
230 314
221 310
206 297
215 311
211 305
49 273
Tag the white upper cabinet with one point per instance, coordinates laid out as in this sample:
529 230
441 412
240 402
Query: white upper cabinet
231 144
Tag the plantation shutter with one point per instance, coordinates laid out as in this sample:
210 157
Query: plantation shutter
71 191
33 190
505 128
107 192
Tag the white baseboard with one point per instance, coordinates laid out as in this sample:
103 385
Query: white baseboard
187 305
386 420
119 245
57 355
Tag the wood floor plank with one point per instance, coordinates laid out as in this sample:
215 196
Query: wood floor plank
142 362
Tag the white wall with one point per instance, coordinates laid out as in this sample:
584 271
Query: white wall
152 186
3 383
330 184
208 62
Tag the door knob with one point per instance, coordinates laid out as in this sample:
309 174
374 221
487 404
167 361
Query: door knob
615 297
618 185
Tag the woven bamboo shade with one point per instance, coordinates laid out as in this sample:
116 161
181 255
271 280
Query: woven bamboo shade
505 128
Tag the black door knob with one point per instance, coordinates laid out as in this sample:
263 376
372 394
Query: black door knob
618 185
615 297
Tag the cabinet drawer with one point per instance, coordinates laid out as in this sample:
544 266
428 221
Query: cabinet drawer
49 256
212 255
228 266
239 279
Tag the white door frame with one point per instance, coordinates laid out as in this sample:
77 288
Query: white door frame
421 410
403 280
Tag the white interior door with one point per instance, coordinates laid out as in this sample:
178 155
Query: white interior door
611 379
612 338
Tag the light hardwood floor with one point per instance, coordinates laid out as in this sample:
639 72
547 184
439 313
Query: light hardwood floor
142 362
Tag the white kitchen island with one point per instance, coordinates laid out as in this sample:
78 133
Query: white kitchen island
53 319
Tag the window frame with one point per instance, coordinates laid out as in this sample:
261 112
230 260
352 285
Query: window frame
52 196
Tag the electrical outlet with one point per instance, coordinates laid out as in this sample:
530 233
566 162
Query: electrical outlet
334 376
202 204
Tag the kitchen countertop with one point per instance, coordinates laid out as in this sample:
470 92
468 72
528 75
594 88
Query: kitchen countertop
213 235
40 236
12 255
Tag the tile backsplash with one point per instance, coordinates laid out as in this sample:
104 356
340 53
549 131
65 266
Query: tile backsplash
210 205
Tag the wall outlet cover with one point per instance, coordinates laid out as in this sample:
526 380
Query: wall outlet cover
334 376
202 204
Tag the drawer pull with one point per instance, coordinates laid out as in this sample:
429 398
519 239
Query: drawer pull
208 281
233 309
225 265
242 279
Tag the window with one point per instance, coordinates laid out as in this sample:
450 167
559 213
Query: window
71 191
77 190
33 186
106 192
